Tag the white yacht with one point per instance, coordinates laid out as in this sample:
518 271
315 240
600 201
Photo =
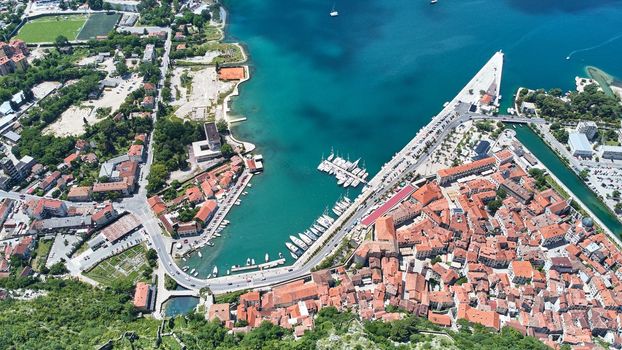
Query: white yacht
348 182
297 241
311 235
305 239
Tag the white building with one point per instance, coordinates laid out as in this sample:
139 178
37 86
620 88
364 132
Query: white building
149 54
579 145
611 152
588 128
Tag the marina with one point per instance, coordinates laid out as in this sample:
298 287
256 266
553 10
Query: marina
347 173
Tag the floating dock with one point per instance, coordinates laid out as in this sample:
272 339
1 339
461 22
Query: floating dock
348 173
267 265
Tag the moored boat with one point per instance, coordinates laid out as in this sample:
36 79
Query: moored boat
308 241
298 242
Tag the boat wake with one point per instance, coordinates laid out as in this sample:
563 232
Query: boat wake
604 43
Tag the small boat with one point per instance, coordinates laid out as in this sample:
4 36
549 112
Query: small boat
253 261
280 255
348 182
341 180
331 156
199 254
185 268
432 2
211 244
215 271
298 242
267 257
217 234
314 230
195 274
294 255
209 276
328 219
337 211
311 235
355 183
228 272
248 261
249 185
567 57
308 241
192 271
184 259
333 12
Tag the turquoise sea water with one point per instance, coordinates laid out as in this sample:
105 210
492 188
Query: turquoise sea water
366 81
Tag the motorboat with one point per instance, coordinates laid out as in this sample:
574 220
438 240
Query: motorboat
292 248
297 241
215 271
199 254
314 230
328 218
308 241
337 211
248 261
267 258
311 235
294 255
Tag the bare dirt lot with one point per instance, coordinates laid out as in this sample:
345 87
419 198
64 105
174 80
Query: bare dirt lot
205 92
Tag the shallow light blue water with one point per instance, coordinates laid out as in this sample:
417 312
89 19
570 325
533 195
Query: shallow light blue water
366 81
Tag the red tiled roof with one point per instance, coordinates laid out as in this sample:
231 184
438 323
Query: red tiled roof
388 205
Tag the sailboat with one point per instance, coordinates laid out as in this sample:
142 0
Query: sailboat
333 12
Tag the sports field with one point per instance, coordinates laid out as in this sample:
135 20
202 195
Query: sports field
73 27
98 24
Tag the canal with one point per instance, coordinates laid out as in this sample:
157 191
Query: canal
549 158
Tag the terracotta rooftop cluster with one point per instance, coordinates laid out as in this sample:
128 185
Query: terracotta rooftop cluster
534 265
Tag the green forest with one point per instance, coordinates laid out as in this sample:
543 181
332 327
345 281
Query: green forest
73 315
591 104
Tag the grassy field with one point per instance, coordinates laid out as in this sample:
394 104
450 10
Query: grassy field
98 24
43 249
126 265
46 29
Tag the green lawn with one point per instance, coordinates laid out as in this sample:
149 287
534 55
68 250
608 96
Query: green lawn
126 265
47 29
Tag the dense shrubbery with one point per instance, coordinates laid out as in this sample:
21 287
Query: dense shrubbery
75 316
591 104
171 139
